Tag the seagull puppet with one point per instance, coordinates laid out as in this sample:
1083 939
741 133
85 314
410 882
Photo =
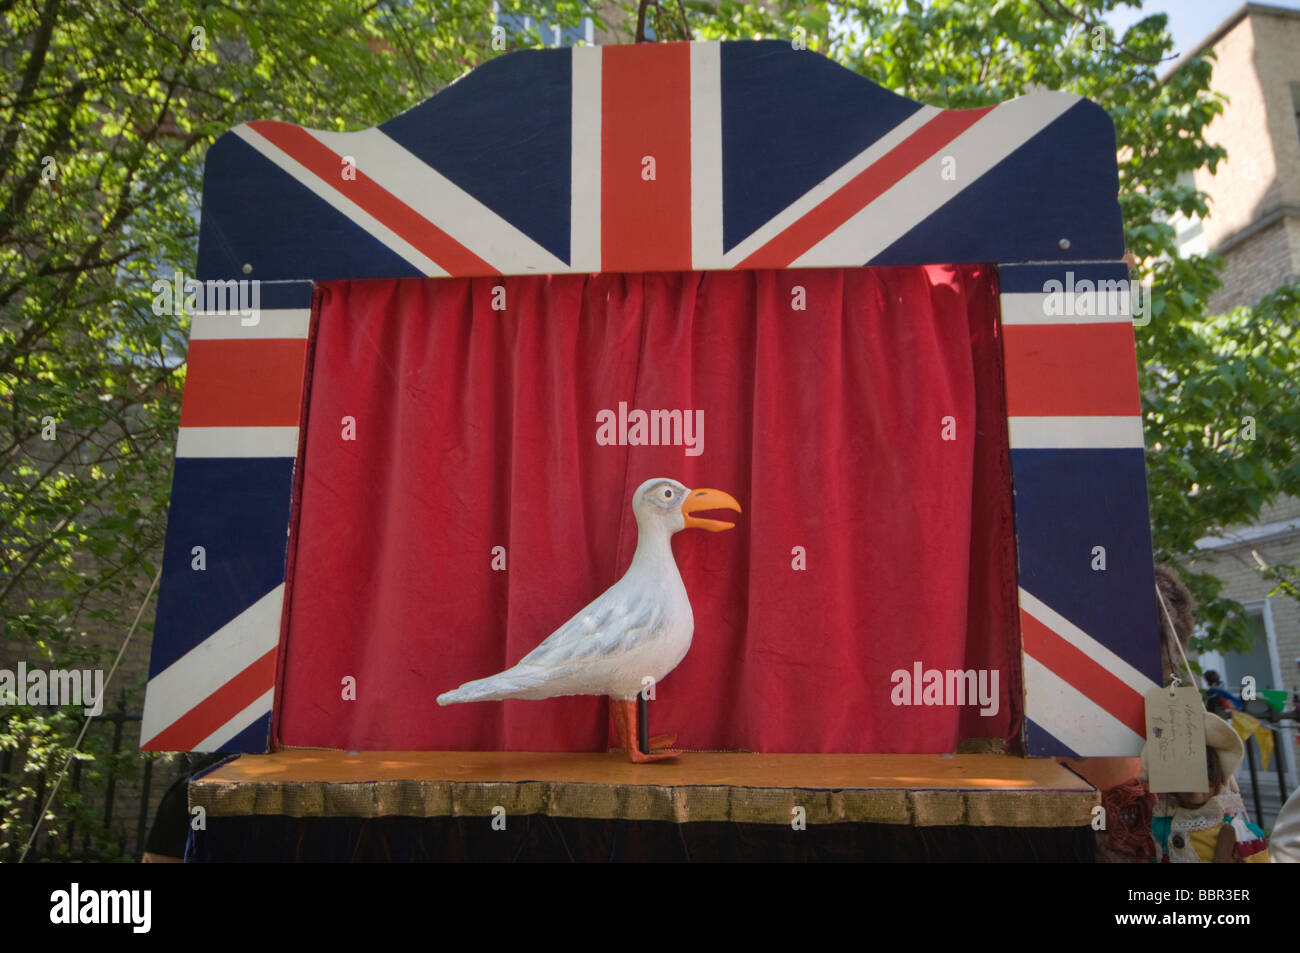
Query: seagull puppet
640 626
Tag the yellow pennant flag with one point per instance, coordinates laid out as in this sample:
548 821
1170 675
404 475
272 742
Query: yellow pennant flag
1245 726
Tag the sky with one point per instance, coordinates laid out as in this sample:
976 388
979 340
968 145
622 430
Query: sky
1190 21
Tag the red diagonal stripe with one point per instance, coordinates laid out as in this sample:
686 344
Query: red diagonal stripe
864 188
646 112
1084 673
387 208
225 703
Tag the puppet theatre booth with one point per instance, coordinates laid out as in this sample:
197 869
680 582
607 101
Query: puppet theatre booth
659 452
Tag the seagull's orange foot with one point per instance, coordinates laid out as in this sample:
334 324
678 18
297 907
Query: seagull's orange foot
625 725
636 757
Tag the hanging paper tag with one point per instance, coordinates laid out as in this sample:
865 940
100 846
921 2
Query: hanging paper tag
1175 749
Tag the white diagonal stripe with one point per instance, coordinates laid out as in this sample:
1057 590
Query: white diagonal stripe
237 442
924 190
1073 718
277 323
706 156
828 187
1085 643
237 724
1020 308
212 663
339 202
584 190
440 201
1074 433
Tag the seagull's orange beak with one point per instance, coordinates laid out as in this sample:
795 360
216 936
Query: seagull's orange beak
697 500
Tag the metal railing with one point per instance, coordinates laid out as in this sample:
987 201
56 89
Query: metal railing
115 837
1257 792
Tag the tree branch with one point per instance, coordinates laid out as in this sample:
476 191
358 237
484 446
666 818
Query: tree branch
31 76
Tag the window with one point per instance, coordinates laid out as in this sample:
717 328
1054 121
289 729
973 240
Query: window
1189 232
524 29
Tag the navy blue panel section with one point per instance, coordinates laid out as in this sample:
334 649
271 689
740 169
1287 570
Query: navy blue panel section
257 215
285 294
789 119
238 510
1040 743
255 739
503 134
1062 183
1067 502
1029 279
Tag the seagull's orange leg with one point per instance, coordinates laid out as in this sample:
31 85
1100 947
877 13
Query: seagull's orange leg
619 714
625 725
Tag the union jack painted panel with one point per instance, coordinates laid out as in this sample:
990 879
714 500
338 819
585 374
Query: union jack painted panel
762 156
1089 628
217 632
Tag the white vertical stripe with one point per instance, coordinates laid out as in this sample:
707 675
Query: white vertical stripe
1074 433
706 156
584 189
1073 718
212 663
340 203
924 190
237 724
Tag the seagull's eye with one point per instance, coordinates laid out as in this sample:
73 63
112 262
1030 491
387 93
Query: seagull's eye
668 494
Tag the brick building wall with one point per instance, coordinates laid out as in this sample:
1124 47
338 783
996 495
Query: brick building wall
1254 196
1254 224
1264 260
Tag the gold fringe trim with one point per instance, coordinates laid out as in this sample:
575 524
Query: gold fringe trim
675 804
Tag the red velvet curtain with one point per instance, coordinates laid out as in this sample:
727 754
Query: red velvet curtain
856 414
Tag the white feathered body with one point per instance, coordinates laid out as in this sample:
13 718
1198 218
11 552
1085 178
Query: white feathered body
640 626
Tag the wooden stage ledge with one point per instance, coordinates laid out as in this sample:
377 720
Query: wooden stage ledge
984 790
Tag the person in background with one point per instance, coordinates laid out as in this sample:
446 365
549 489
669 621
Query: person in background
171 823
1217 698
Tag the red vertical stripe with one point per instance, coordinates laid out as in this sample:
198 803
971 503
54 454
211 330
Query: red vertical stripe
864 188
646 112
244 383
1071 370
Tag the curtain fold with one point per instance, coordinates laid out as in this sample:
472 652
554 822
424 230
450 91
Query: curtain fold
856 414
